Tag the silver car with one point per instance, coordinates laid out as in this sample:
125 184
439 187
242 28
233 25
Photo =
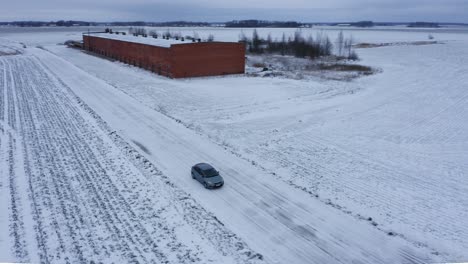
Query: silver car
207 175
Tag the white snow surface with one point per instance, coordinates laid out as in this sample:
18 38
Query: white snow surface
8 47
72 191
315 171
165 43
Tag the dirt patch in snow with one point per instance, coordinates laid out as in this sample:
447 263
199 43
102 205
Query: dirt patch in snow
328 68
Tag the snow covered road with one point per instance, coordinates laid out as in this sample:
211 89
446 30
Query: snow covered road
282 223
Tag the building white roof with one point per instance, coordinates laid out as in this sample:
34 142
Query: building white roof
160 42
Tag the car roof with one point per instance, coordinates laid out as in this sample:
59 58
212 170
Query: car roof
204 166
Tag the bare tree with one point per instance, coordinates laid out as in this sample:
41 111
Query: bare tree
177 35
351 54
137 31
269 43
350 45
153 33
340 43
210 38
327 46
255 41
283 44
243 37
297 45
167 34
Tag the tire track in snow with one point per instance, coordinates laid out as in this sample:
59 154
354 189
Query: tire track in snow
17 225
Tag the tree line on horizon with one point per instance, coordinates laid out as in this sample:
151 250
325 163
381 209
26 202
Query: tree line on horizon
250 23
253 23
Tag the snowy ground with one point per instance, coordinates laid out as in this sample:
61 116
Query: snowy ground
331 166
75 192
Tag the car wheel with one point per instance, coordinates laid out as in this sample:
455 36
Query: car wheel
193 176
206 185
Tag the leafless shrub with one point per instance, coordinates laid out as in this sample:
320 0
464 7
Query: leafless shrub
346 68
297 46
138 31
153 33
259 65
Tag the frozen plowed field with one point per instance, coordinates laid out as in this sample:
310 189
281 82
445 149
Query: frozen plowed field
72 191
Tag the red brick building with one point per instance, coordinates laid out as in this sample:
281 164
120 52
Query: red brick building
172 58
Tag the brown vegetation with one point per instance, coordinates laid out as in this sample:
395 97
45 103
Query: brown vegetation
411 43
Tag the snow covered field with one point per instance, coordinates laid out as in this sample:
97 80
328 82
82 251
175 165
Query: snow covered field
95 158
73 191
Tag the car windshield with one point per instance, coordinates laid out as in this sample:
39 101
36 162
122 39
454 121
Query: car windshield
210 173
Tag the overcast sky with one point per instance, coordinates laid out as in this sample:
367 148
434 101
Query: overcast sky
225 10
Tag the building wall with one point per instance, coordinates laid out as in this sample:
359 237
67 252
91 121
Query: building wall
207 58
153 58
178 61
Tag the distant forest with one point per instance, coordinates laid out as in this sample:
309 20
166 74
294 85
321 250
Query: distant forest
251 23
60 23
72 23
424 24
